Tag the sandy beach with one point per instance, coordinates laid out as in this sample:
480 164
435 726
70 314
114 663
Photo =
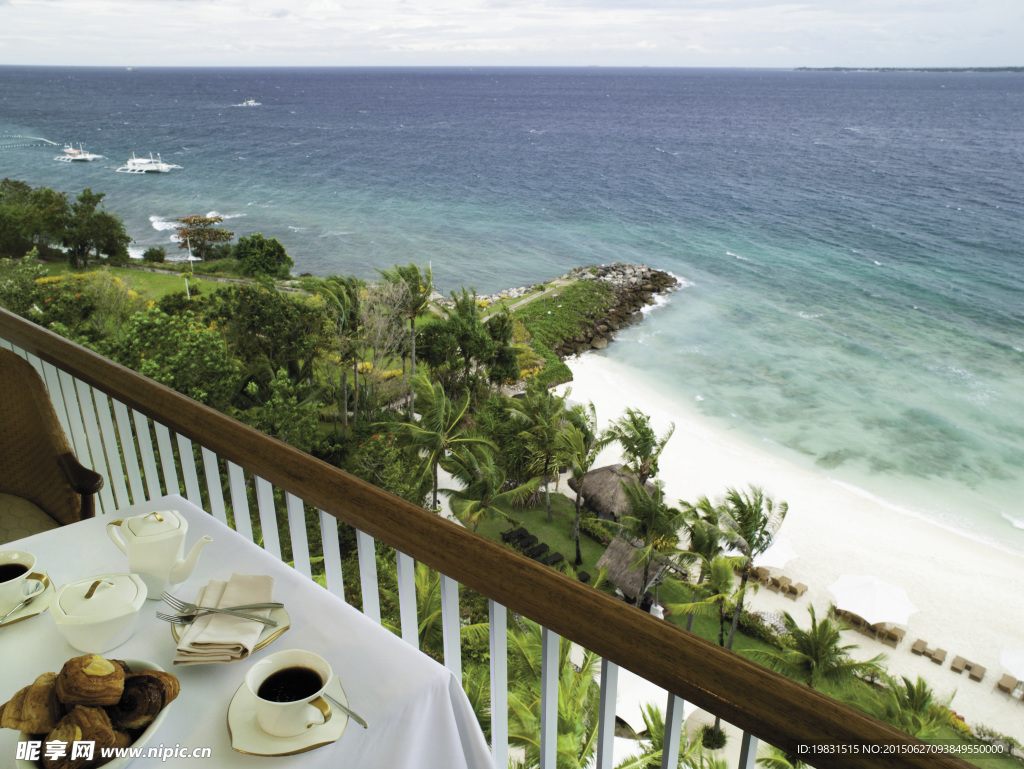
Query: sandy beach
966 592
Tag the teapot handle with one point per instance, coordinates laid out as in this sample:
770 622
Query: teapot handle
113 531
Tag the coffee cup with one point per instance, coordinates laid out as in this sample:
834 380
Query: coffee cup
287 689
18 582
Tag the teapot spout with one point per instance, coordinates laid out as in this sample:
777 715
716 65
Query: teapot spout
182 570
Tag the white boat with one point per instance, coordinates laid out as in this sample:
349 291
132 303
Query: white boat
249 103
148 165
72 155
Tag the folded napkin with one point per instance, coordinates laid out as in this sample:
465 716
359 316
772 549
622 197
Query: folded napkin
221 637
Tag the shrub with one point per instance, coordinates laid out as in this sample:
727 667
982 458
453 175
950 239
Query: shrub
154 255
712 738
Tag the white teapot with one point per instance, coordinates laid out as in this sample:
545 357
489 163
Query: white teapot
154 543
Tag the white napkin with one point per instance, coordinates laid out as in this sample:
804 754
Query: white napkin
221 637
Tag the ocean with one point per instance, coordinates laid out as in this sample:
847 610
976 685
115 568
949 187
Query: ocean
851 243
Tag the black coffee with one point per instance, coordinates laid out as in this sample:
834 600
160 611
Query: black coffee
11 571
290 684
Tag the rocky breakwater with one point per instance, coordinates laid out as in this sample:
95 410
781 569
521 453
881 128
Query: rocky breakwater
635 287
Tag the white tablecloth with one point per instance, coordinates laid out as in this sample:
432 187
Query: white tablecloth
419 716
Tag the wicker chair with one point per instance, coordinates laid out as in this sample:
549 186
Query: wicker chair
42 485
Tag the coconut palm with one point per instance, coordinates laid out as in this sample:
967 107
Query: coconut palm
653 742
641 447
341 296
438 432
653 526
910 706
580 445
483 479
715 594
430 629
772 757
817 656
419 285
542 417
578 698
750 519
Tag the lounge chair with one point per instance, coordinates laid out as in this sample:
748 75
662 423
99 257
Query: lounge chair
976 672
958 664
778 584
527 542
583 576
919 647
1007 683
796 590
894 636
552 558
537 550
938 656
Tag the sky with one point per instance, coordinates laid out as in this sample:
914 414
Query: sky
654 33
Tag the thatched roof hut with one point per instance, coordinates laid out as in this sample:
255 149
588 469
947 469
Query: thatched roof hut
603 493
620 559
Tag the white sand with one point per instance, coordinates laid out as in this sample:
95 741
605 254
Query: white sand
969 594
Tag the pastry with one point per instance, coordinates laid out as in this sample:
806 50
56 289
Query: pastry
142 699
145 695
82 724
33 709
90 680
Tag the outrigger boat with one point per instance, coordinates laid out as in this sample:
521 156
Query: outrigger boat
148 165
72 155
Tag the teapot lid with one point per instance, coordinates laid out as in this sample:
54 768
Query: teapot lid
155 523
103 597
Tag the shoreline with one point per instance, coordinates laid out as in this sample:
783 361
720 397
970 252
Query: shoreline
959 585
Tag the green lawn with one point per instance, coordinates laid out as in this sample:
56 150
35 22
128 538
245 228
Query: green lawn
151 284
557 534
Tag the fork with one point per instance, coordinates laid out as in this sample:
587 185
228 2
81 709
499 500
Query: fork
181 606
189 618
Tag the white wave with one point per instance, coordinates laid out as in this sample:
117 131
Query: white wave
741 258
698 397
224 217
1017 523
160 223
878 263
809 315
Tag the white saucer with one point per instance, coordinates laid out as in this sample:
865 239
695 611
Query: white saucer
247 737
38 605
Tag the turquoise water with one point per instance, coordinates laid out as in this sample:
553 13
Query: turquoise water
852 240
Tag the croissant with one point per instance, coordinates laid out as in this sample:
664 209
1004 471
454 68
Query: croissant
84 724
143 697
90 680
33 709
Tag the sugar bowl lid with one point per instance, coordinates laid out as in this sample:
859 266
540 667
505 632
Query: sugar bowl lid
154 524
99 598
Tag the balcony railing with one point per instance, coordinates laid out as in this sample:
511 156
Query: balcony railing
141 437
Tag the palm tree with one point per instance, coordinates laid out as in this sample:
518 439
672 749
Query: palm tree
652 525
653 740
542 415
715 594
640 444
341 295
419 286
910 706
580 445
483 492
817 656
578 698
438 432
751 519
430 630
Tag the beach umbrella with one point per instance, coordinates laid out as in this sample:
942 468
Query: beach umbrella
872 598
778 555
1013 660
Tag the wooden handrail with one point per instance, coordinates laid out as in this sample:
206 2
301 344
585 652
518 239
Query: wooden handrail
772 707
